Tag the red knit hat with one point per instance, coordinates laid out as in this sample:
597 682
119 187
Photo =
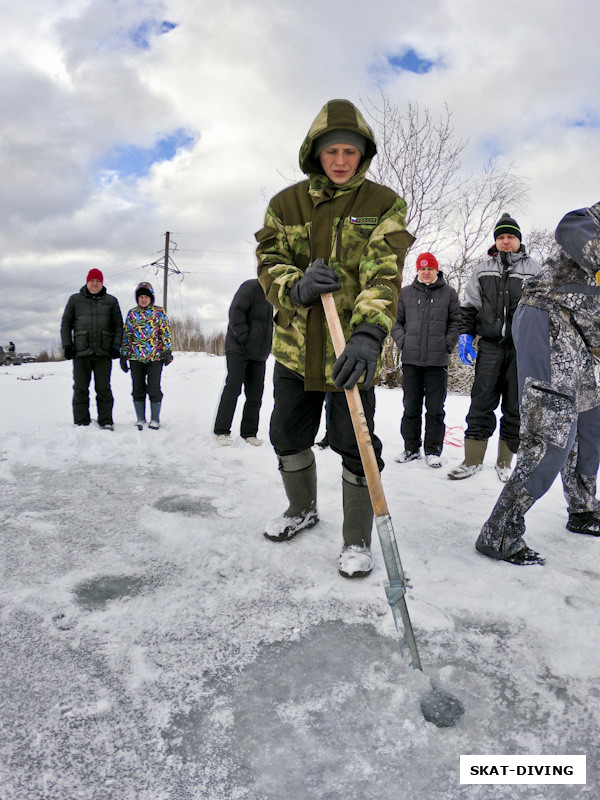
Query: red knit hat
95 275
427 260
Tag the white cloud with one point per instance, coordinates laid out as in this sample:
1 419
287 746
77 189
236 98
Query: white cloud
246 80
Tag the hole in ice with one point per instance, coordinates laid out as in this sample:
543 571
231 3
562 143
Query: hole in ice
97 592
188 506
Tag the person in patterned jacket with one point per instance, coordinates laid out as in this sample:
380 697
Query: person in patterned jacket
556 329
335 232
146 348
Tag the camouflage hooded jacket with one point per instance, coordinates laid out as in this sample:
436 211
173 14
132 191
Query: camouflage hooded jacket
358 228
568 289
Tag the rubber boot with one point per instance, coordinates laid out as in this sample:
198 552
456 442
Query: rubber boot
140 412
154 416
356 560
504 461
474 454
299 475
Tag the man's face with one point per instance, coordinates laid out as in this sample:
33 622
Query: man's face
508 243
427 274
94 286
340 162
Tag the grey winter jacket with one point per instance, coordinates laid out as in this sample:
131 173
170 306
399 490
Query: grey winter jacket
427 323
493 292
250 328
92 324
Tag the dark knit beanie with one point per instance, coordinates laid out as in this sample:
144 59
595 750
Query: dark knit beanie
341 136
144 288
506 224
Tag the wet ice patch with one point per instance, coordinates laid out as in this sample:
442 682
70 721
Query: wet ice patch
98 592
188 506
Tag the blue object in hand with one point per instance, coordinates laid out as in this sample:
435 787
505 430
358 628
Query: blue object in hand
466 350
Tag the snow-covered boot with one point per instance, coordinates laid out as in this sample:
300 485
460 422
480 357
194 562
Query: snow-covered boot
154 416
356 559
474 454
501 537
584 522
140 413
504 461
299 475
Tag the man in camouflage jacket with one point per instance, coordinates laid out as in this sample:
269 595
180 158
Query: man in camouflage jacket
335 232
556 329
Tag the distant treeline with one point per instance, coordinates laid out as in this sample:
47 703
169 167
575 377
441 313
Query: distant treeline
188 337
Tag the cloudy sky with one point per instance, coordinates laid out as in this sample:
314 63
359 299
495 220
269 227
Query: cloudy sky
124 119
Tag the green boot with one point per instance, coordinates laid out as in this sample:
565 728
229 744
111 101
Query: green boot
474 453
504 461
299 475
356 559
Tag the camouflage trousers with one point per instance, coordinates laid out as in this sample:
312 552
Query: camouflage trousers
553 438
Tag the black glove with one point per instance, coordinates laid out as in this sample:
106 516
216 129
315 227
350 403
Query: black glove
115 352
360 355
317 280
124 364
69 352
167 358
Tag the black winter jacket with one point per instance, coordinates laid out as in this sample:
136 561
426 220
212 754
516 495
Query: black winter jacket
92 324
427 323
250 328
493 292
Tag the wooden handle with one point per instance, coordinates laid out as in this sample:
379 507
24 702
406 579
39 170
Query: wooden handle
357 414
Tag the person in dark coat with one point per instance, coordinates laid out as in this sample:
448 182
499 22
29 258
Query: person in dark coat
426 332
491 296
557 336
247 347
91 332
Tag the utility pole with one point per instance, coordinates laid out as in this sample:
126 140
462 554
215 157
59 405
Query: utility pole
166 268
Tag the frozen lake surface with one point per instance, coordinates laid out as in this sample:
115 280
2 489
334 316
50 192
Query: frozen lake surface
155 646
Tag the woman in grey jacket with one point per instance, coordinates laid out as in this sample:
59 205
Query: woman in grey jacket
426 331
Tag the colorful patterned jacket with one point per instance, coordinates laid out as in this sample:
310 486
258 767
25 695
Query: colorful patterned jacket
146 334
358 228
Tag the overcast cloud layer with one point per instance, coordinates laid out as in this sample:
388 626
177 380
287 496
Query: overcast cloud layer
126 119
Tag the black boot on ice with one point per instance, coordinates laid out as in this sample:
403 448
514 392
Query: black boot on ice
584 522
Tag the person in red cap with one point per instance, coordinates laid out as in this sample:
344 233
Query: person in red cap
91 332
426 332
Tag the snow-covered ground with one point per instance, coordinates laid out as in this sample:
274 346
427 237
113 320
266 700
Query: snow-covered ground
155 646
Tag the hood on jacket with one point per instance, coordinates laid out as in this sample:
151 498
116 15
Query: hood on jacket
575 231
336 115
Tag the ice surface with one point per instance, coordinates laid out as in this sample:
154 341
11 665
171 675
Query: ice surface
155 646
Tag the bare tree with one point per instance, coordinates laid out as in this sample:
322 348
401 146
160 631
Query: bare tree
542 245
419 157
452 214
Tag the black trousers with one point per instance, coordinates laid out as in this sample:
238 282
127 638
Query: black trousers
247 373
297 415
83 367
145 377
428 384
495 382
